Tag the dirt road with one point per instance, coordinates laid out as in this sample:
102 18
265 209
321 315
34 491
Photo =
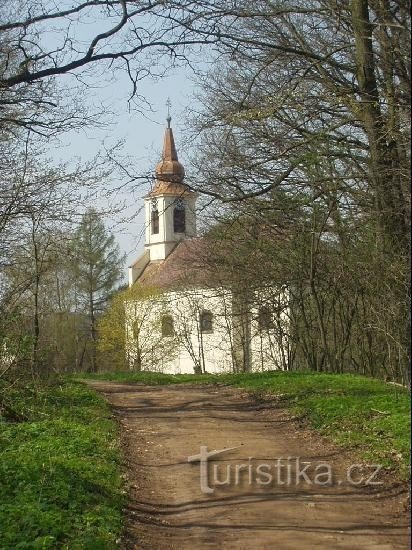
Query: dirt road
254 496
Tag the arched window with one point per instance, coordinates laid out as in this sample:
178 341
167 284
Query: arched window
206 321
265 318
167 326
179 217
155 221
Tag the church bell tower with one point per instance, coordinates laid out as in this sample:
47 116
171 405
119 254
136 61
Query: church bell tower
170 205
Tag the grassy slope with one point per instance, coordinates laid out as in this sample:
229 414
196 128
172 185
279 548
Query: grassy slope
60 483
362 413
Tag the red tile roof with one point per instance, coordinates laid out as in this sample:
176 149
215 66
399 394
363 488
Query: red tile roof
185 266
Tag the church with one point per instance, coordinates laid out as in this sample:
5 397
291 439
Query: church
183 318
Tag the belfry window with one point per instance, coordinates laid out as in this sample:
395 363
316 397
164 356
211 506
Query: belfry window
154 218
179 217
167 326
206 321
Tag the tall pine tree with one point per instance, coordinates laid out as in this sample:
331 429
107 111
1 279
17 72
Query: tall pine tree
98 268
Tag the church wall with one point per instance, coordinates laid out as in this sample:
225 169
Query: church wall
190 347
190 202
210 351
160 236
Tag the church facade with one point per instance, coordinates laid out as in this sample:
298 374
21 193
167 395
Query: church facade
181 320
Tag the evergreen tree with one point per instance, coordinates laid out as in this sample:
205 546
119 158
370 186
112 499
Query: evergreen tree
98 268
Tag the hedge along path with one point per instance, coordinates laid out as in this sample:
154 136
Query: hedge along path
164 425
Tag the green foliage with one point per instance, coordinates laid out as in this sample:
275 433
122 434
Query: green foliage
16 340
97 260
368 415
59 469
97 266
131 305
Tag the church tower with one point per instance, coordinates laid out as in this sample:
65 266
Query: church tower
170 205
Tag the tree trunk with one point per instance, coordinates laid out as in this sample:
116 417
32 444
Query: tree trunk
36 326
391 214
93 334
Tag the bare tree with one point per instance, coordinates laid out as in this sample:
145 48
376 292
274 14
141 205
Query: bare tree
84 40
308 113
40 204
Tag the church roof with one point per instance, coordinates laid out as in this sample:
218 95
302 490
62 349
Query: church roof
169 188
185 266
169 172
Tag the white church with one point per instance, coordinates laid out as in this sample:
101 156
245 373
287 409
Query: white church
183 319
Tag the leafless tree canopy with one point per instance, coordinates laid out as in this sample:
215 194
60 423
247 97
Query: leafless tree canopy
304 134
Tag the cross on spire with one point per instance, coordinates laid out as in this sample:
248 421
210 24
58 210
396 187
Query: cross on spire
168 118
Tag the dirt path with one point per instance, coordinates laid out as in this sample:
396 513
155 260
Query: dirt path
163 426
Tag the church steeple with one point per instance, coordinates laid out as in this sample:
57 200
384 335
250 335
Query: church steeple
170 205
169 168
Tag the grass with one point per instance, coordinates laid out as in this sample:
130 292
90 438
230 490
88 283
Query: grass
360 413
60 480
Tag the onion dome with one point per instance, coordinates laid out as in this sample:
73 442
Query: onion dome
169 168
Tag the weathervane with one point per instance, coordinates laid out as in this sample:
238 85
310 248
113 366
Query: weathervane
168 105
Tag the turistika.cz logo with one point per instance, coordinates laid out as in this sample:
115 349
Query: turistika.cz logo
289 471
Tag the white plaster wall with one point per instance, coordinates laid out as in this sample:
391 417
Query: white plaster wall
213 350
189 347
180 354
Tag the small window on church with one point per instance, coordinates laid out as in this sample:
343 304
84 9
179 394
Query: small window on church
167 326
265 318
179 217
206 321
155 221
